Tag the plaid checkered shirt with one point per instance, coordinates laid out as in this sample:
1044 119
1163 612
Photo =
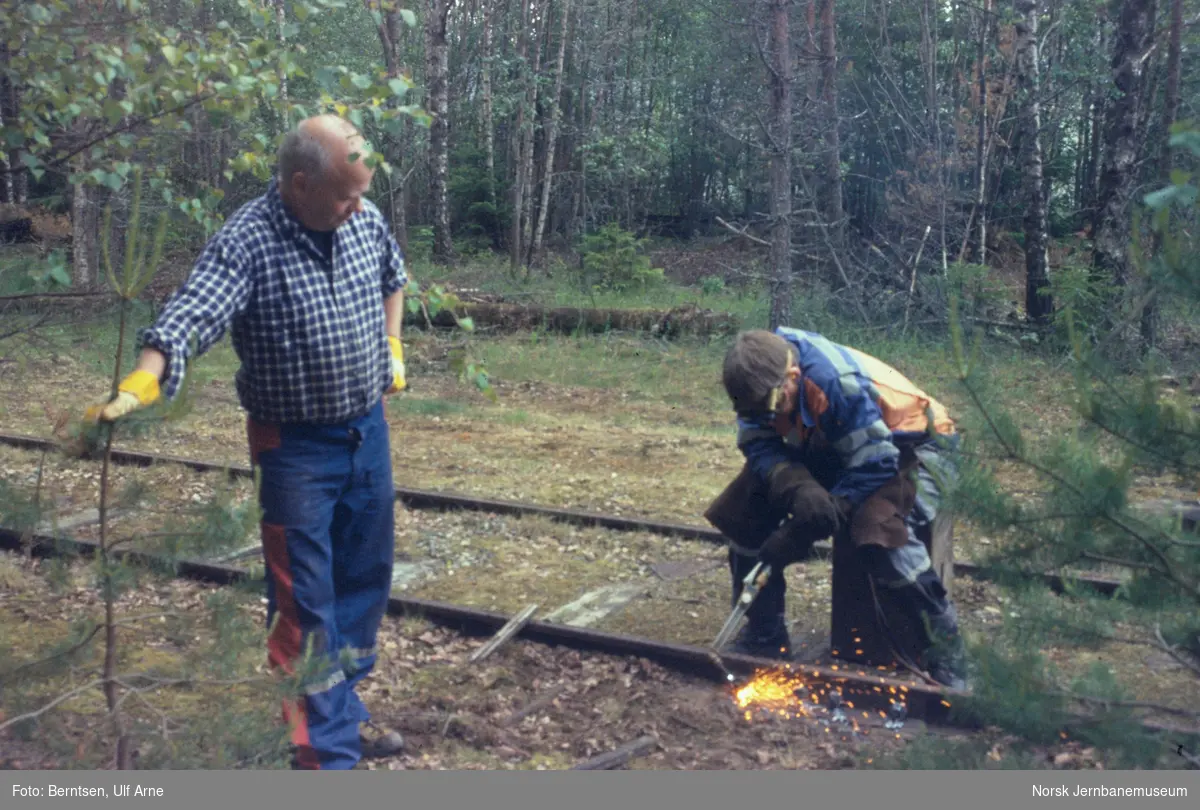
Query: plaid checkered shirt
310 334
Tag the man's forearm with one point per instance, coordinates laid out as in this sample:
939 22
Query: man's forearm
393 313
153 361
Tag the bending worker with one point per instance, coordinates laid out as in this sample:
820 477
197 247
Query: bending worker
847 447
308 280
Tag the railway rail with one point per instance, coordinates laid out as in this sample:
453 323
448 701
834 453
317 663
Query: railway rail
869 689
430 499
873 692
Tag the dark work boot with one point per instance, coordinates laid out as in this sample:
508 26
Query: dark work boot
769 641
379 743
946 658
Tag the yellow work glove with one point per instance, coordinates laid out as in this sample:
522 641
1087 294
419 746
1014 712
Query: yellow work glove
137 390
399 383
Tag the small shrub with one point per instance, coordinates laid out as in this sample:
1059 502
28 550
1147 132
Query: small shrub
613 259
712 285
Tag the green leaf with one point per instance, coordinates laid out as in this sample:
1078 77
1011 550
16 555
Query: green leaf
409 18
360 81
398 87
1161 198
326 77
171 54
112 111
467 323
60 275
1184 195
1189 139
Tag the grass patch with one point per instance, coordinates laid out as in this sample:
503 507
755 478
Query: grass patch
562 287
415 406
210 723
685 372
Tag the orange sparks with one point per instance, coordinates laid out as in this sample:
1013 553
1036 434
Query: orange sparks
774 691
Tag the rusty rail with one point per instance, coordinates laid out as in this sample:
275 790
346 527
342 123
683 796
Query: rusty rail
429 499
925 702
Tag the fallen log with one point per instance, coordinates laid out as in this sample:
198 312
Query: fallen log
505 317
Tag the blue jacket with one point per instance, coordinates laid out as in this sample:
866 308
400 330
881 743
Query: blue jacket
864 409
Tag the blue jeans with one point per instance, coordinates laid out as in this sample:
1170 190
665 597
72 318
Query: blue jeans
328 541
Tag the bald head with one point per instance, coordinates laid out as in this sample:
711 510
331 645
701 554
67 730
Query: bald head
322 172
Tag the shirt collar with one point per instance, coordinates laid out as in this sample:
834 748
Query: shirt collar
284 219
802 412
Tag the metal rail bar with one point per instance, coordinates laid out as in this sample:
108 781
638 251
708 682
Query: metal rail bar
872 691
428 499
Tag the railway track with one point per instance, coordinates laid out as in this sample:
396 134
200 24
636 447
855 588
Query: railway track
429 499
869 691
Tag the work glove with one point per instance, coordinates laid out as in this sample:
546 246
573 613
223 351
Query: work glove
792 488
399 383
790 543
137 390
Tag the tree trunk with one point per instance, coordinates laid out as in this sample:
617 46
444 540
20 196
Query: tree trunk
1038 305
528 145
516 143
84 229
7 113
831 185
1131 44
981 144
284 113
779 68
6 191
437 61
551 134
487 125
929 56
390 32
1149 325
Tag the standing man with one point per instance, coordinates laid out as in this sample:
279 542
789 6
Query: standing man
308 280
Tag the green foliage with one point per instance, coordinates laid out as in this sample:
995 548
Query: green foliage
128 92
937 753
976 287
712 285
613 259
478 215
1084 517
1083 302
430 302
141 699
